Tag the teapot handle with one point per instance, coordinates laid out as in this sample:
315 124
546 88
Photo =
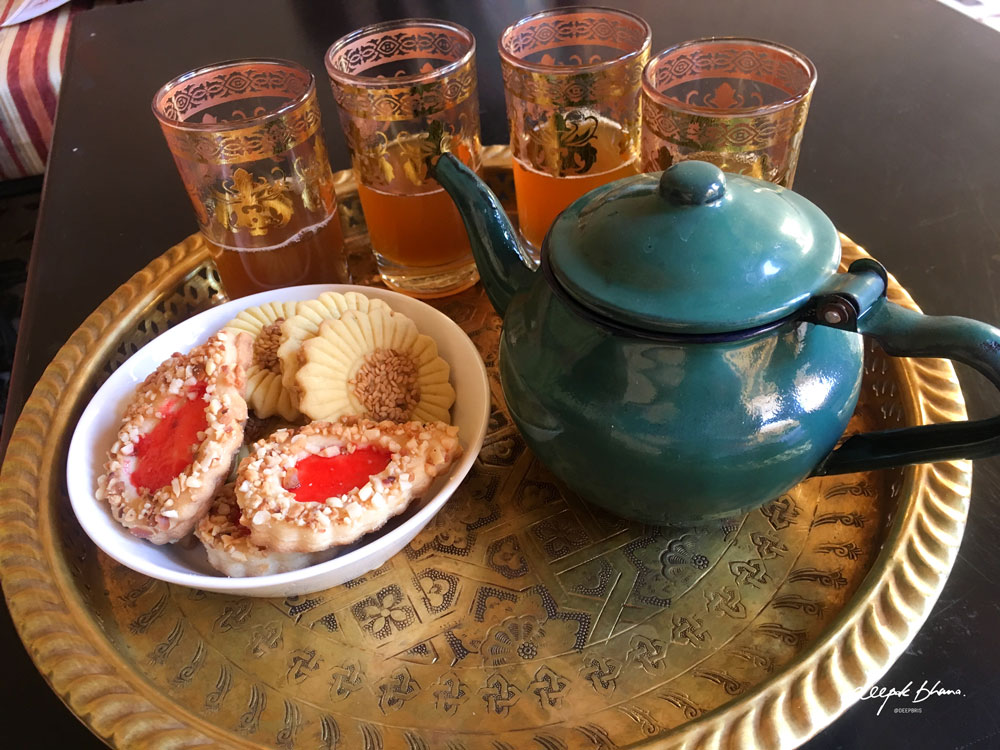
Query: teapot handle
905 333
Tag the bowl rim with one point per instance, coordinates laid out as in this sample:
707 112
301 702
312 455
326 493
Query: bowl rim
81 453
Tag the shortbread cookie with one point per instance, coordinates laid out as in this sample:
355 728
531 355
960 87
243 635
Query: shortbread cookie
305 324
328 483
177 439
265 393
374 365
230 551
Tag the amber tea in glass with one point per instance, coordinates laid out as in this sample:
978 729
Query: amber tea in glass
738 103
406 91
247 141
572 80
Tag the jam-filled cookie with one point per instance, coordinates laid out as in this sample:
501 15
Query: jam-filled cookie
265 393
229 549
374 365
177 439
309 314
328 483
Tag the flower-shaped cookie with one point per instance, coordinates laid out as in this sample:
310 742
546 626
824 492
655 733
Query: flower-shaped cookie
375 365
265 393
309 315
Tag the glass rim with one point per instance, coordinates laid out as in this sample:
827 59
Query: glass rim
342 77
227 125
662 99
511 59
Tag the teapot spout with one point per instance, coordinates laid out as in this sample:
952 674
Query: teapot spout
491 235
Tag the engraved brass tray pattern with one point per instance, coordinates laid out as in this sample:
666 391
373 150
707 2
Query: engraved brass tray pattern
519 618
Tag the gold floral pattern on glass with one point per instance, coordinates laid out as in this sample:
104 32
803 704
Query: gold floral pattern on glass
206 98
389 102
567 145
376 165
200 115
738 103
572 79
256 204
247 140
406 91
408 102
316 179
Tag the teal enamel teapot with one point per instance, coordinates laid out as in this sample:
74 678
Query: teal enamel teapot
688 349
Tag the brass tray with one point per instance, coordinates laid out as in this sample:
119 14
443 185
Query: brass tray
519 618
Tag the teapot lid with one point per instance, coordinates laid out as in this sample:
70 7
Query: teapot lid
692 250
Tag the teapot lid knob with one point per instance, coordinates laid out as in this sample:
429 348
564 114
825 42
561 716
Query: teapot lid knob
693 183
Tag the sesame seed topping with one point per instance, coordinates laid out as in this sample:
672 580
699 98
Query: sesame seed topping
386 385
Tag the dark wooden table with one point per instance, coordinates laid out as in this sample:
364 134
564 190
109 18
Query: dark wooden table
902 150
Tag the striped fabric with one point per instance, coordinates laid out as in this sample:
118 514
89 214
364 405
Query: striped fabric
32 55
31 62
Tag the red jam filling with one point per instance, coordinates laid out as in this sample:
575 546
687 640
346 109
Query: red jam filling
321 477
166 450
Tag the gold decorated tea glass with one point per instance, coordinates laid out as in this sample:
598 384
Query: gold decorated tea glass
572 80
738 103
406 91
247 140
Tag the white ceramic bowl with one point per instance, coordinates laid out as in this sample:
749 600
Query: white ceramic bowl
186 564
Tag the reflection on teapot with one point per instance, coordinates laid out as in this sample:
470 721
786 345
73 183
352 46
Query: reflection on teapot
688 349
